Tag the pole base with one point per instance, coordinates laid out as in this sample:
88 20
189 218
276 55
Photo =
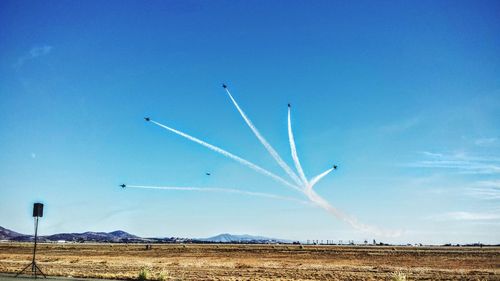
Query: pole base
35 270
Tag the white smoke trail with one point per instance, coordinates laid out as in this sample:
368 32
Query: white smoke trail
318 200
230 155
223 190
317 178
322 203
303 186
293 150
264 142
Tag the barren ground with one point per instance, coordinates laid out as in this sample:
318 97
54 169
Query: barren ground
256 262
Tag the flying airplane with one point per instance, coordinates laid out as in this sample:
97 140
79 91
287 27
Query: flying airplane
207 173
289 105
224 86
335 167
147 119
123 185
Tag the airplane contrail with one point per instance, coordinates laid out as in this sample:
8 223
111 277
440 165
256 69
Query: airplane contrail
302 184
223 190
264 142
313 196
317 178
322 203
229 155
293 150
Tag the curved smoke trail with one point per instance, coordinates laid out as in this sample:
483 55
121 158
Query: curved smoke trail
264 142
293 150
320 201
229 155
317 178
223 190
306 186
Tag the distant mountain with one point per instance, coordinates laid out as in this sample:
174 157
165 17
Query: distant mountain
245 238
7 234
123 235
120 236
115 236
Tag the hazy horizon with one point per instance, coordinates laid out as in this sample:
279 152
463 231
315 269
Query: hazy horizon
310 240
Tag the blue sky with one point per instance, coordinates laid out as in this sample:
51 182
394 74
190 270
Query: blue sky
403 96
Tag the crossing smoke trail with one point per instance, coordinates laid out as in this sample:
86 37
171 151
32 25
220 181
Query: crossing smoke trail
302 184
264 142
295 157
318 200
229 155
293 150
222 190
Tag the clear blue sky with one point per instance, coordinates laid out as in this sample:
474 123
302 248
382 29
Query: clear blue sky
403 95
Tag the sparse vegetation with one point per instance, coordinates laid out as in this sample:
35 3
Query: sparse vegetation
162 276
398 276
148 274
143 274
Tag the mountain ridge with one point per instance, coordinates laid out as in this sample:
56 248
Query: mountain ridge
114 236
6 234
242 238
120 236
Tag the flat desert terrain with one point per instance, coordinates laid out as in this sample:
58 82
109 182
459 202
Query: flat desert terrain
255 262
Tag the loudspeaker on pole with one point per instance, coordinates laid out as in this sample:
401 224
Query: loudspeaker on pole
38 210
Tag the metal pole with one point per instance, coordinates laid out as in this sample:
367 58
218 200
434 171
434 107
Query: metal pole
34 268
34 248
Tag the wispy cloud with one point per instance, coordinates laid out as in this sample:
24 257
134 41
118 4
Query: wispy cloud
486 190
485 141
459 162
465 216
432 154
35 52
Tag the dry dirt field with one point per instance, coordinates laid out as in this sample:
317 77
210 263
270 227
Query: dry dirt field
256 262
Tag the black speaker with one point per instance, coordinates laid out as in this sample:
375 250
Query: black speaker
38 210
